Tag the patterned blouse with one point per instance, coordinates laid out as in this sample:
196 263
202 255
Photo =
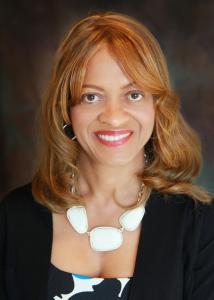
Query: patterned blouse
64 286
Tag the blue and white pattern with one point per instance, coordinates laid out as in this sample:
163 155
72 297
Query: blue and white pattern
65 286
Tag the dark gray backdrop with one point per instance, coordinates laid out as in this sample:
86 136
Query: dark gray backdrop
29 34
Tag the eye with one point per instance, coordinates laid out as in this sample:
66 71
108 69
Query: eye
135 96
90 98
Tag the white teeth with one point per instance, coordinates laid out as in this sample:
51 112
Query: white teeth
111 138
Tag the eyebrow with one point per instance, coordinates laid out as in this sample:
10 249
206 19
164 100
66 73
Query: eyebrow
101 89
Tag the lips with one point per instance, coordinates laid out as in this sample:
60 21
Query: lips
113 138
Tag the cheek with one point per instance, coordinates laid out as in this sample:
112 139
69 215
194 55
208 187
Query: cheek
146 117
79 117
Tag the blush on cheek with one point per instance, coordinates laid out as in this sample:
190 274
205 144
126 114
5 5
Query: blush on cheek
147 115
81 117
77 113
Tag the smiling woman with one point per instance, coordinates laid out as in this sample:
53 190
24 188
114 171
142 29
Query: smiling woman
114 119
100 55
112 211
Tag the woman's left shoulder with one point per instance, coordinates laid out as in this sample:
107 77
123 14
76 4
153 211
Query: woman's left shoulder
184 206
189 203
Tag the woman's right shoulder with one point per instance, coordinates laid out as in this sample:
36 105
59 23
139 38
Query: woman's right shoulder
20 200
18 196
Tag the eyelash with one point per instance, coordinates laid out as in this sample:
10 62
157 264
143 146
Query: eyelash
136 92
84 96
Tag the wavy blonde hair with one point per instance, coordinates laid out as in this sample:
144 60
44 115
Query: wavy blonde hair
174 149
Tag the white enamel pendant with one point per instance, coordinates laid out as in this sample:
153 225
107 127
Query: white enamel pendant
105 238
77 217
131 219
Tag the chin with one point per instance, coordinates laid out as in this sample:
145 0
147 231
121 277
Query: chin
116 162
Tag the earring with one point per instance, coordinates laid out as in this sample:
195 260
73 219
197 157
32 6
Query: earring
149 152
73 188
146 160
69 131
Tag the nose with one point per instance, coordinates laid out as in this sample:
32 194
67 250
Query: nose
113 114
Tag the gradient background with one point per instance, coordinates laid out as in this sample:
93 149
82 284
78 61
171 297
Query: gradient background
30 32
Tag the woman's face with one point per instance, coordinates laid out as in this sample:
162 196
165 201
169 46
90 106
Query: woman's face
114 119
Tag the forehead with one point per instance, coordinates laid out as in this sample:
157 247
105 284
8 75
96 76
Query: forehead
103 68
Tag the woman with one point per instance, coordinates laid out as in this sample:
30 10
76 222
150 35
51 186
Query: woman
114 146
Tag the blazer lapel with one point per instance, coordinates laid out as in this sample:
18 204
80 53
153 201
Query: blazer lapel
143 256
158 251
35 254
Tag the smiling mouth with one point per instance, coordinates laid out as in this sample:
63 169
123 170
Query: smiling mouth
113 138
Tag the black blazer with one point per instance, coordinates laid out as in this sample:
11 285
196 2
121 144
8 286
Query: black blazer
175 259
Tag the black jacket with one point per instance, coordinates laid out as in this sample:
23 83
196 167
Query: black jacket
175 259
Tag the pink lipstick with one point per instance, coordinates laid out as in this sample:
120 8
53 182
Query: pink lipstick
113 138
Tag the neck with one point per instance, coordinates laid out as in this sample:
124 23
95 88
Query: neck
100 183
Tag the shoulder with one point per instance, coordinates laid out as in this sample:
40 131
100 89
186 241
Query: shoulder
193 219
198 215
20 204
207 226
191 212
173 201
181 200
17 195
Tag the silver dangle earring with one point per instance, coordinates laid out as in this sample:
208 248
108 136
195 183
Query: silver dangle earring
69 131
146 160
148 152
73 187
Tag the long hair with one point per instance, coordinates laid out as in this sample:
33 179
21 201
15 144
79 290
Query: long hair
174 149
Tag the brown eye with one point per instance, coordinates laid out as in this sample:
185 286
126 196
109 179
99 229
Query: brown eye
135 96
90 98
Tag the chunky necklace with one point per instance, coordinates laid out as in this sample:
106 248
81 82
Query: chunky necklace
106 238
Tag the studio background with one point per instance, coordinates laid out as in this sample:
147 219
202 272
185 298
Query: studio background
30 32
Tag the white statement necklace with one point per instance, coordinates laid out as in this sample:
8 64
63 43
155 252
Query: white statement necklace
105 238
